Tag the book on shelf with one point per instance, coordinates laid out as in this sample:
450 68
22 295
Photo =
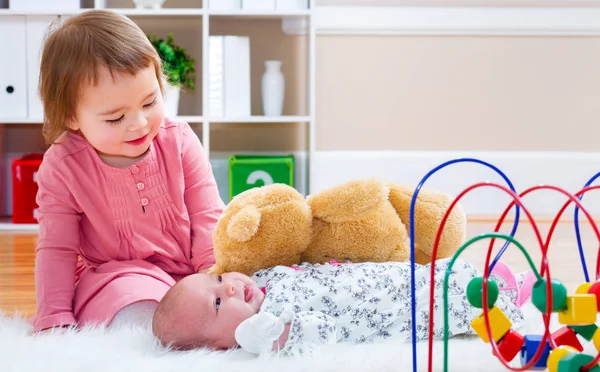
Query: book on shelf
229 76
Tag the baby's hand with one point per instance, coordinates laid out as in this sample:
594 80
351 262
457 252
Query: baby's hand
259 332
280 343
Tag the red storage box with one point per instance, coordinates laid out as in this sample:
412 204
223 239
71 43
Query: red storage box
25 188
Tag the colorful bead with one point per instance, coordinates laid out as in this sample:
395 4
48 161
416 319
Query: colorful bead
585 331
574 362
559 295
567 336
581 310
475 292
510 345
595 290
557 354
583 288
596 339
499 324
532 342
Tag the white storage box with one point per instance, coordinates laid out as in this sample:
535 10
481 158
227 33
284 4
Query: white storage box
258 4
5 179
36 27
13 72
37 5
291 4
224 4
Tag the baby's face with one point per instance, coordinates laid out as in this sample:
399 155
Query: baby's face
221 303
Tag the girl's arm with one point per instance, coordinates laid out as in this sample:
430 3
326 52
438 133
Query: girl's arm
201 196
57 249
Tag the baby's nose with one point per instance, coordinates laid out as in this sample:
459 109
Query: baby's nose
230 289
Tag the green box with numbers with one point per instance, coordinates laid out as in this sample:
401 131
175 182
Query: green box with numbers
249 171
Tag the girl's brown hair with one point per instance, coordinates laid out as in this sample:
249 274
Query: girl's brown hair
73 53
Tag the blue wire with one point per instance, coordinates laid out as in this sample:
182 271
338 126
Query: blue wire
579 245
412 240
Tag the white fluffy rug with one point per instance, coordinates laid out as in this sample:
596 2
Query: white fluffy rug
130 349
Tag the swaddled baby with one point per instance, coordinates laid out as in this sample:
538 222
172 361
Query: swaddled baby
293 309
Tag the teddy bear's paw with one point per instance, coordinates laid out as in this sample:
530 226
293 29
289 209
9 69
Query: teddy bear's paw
244 224
352 200
430 209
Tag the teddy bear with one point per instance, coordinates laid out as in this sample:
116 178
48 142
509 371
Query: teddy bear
362 220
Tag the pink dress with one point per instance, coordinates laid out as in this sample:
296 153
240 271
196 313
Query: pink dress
110 237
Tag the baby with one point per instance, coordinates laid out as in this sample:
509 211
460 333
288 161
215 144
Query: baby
319 304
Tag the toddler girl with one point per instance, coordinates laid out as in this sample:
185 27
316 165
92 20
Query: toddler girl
318 304
127 199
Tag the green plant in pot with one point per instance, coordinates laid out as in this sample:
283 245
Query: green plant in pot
179 69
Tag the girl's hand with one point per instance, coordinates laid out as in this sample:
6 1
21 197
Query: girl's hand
57 329
202 271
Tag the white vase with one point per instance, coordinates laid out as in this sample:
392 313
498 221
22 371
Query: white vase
273 88
171 101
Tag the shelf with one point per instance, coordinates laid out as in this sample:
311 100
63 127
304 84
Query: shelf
21 120
125 11
160 12
273 34
6 225
251 14
12 12
261 119
8 121
191 119
265 14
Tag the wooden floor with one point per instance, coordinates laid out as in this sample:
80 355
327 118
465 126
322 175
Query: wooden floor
17 259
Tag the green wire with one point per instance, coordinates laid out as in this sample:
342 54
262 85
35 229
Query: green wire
449 270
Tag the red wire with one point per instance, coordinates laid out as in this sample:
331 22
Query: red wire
594 361
435 249
544 266
590 218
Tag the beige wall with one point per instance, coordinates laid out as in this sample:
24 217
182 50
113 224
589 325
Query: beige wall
487 93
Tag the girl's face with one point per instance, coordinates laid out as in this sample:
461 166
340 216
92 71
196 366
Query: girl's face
120 117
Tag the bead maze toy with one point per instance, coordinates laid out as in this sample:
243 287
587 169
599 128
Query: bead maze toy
558 351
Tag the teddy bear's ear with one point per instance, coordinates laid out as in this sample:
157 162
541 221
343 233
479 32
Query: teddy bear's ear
244 224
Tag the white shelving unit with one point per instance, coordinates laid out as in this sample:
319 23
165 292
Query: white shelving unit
295 24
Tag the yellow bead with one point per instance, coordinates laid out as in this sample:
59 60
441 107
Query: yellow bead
499 324
556 355
581 310
583 288
596 339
